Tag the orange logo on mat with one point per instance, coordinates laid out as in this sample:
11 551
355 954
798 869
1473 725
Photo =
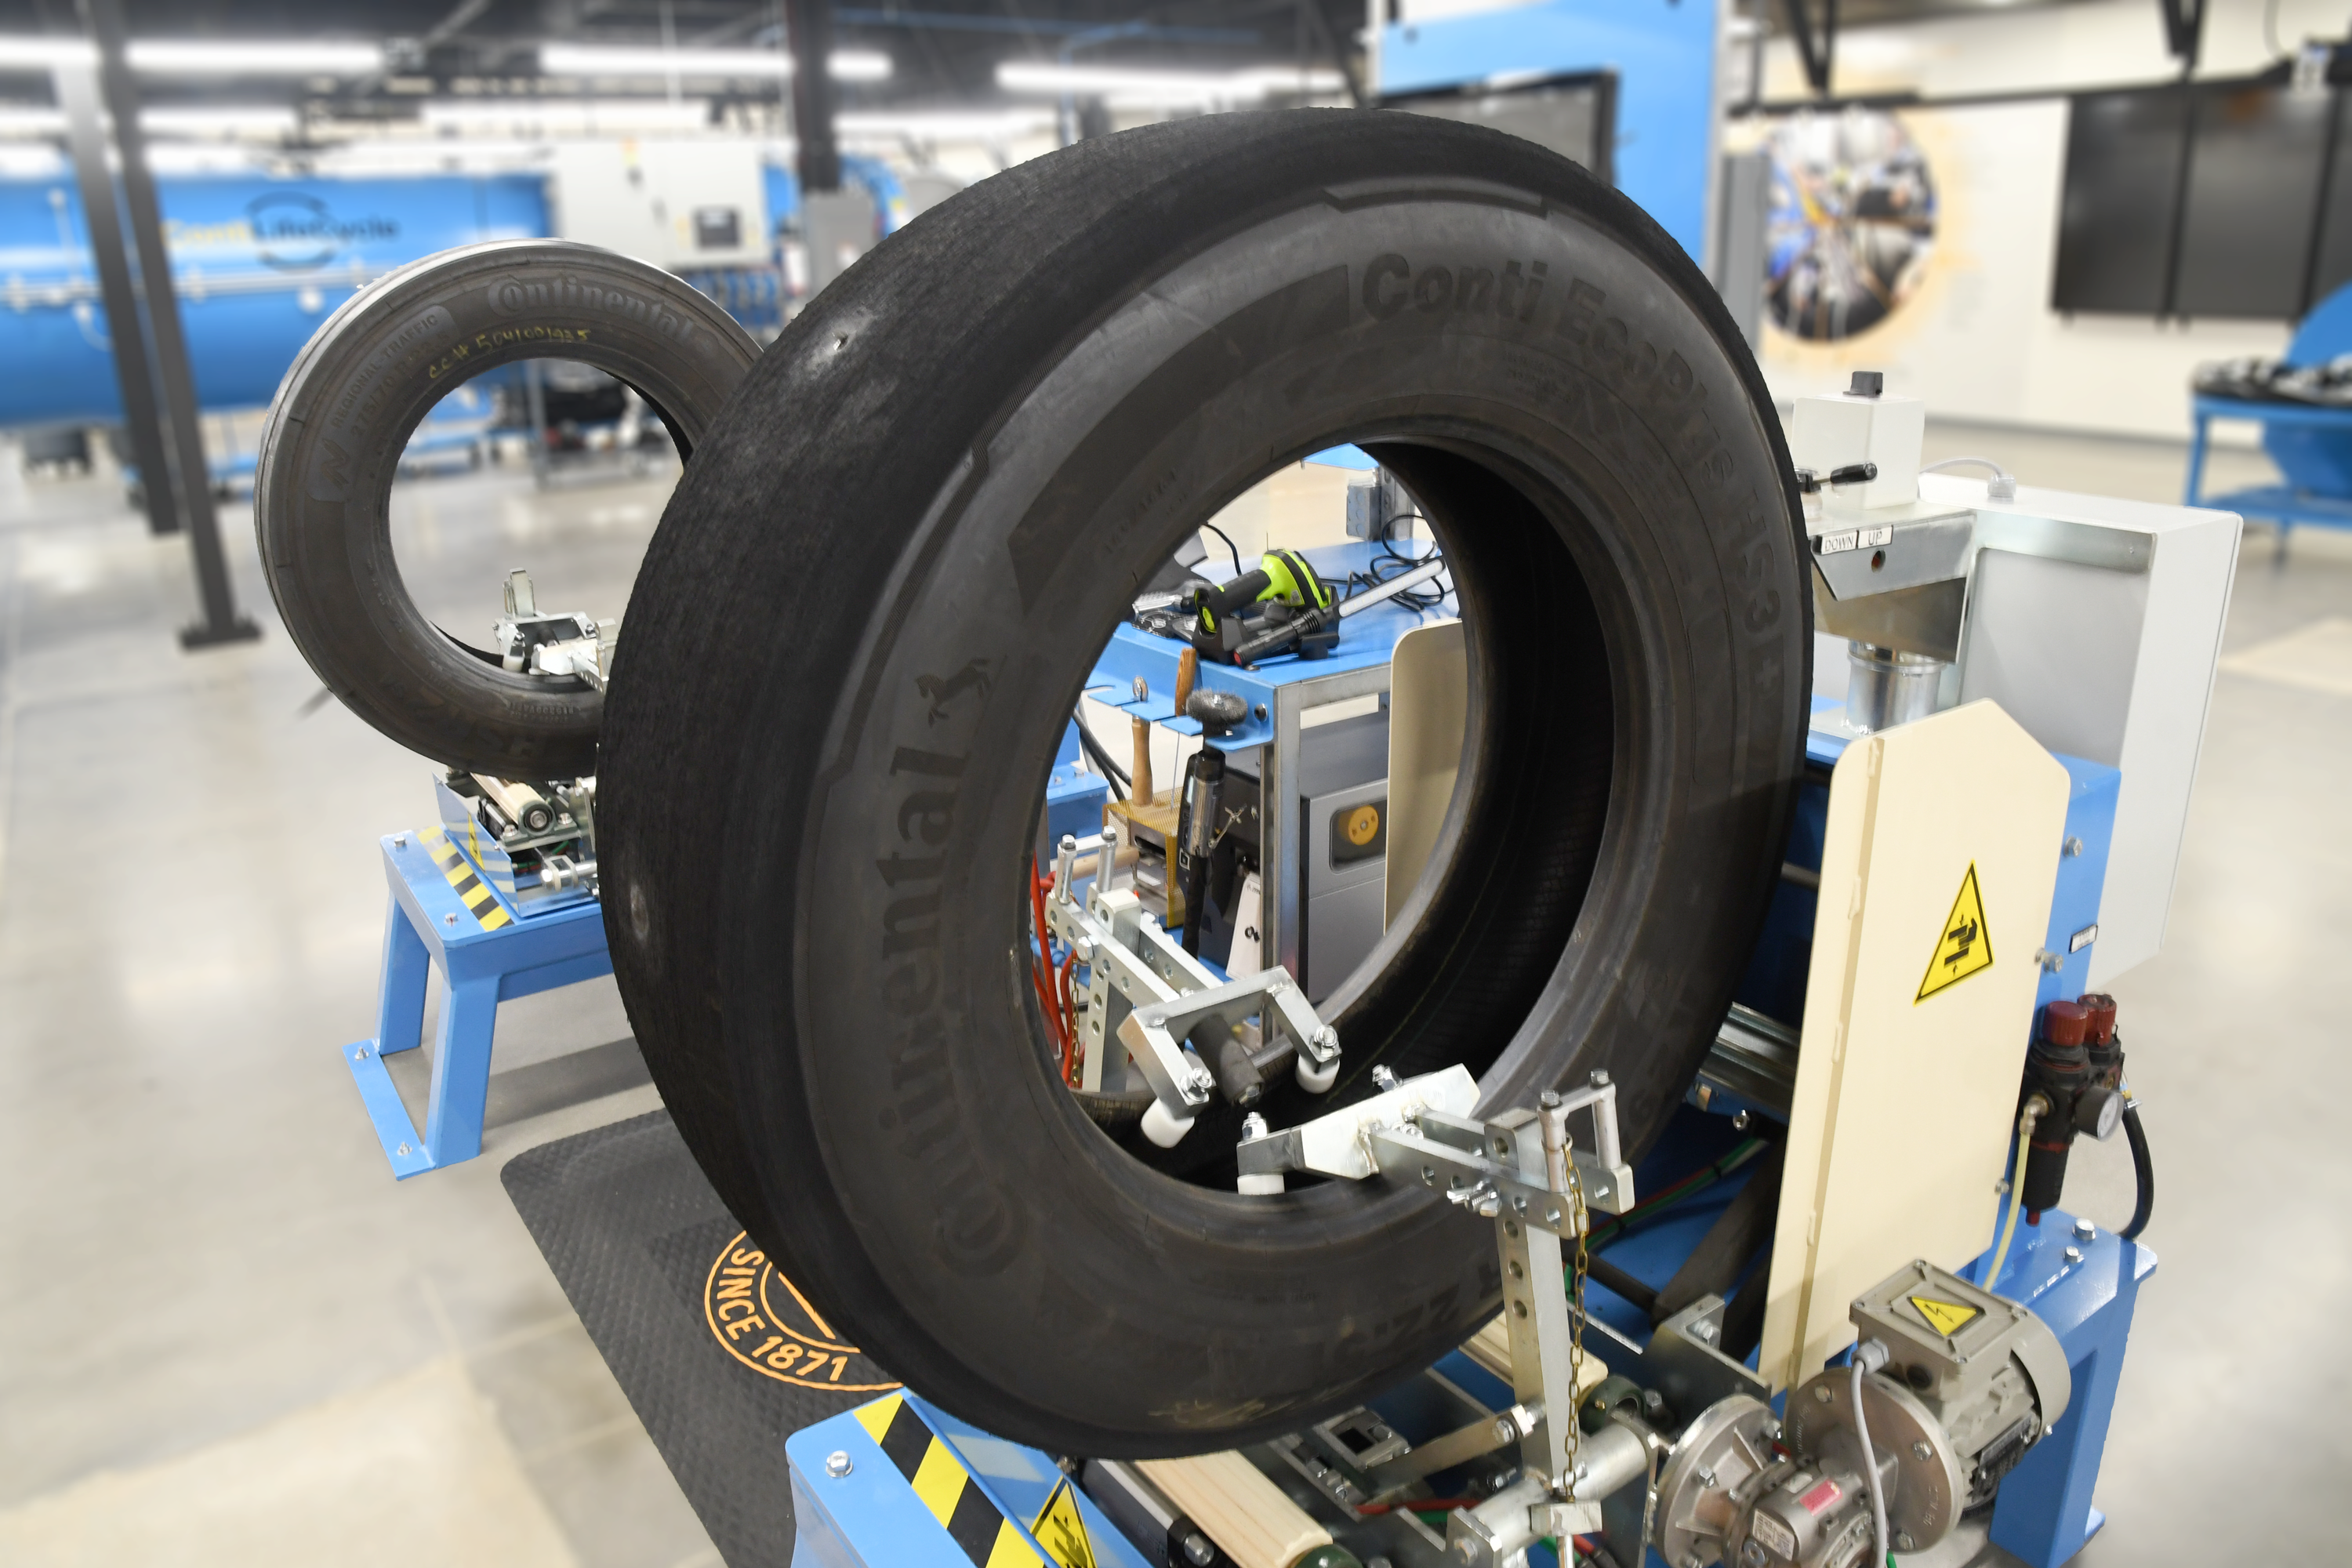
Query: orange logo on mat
765 1323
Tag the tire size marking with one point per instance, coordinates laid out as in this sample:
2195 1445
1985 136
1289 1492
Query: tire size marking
488 342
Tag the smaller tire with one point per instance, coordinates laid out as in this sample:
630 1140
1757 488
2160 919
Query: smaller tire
322 481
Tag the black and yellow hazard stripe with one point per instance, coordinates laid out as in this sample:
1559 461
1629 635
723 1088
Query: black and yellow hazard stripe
470 889
959 1503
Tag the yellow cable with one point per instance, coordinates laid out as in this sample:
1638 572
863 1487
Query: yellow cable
2034 1105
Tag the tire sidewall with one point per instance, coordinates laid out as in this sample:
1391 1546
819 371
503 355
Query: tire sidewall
922 1045
334 445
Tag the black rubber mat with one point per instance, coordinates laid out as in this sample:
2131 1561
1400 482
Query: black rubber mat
718 1356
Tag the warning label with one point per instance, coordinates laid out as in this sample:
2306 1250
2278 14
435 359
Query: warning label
1964 946
1947 1317
1061 1530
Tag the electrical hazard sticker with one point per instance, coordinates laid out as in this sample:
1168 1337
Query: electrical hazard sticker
1947 1317
1061 1530
1964 947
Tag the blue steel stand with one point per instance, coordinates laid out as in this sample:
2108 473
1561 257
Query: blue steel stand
2044 1514
485 959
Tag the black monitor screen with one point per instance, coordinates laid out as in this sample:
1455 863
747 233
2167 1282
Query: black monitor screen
1575 116
2123 183
2254 198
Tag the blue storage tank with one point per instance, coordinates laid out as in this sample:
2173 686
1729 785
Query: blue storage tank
257 263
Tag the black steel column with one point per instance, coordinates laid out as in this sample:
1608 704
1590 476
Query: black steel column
77 96
221 623
808 28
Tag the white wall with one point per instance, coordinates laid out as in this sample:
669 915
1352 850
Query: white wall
1980 342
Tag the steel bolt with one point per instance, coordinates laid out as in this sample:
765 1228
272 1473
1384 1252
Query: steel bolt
1253 1125
449 920
1548 1098
2084 1230
1143 689
1821 1393
1600 1080
1706 1477
837 1463
2072 845
2074 1255
1384 1078
400 841
1920 1451
1903 1541
1740 1121
1198 1550
1506 1431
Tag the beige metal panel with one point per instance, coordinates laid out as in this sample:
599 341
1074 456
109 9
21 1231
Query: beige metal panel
1243 1513
1429 698
1906 1082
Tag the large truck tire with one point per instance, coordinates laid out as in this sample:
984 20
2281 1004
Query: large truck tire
322 479
861 626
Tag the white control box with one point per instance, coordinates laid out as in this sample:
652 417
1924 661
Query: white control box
1839 429
677 205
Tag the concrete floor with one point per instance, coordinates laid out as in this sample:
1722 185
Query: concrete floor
227 1336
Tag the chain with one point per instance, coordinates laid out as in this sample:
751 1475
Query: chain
1581 1216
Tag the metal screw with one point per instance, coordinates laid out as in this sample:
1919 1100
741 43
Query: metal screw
1548 1098
400 841
1506 1431
1261 712
1903 1541
1706 1477
1600 1080
359 1053
1384 1078
2085 1230
2074 1255
1920 1450
1143 689
1740 1121
837 1463
1253 1126
449 920
2072 845
401 1150
1821 1393
1198 1549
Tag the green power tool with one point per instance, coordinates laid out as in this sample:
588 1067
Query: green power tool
1283 591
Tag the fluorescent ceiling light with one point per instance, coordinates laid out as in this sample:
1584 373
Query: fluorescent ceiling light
247 57
548 114
611 60
191 57
41 51
1291 79
224 121
945 125
1125 85
20 121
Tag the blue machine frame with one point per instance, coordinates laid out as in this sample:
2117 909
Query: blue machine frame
1664 53
2083 1283
444 913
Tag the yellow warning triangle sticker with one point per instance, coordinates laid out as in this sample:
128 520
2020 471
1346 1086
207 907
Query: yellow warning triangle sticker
1963 946
1061 1530
1947 1317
